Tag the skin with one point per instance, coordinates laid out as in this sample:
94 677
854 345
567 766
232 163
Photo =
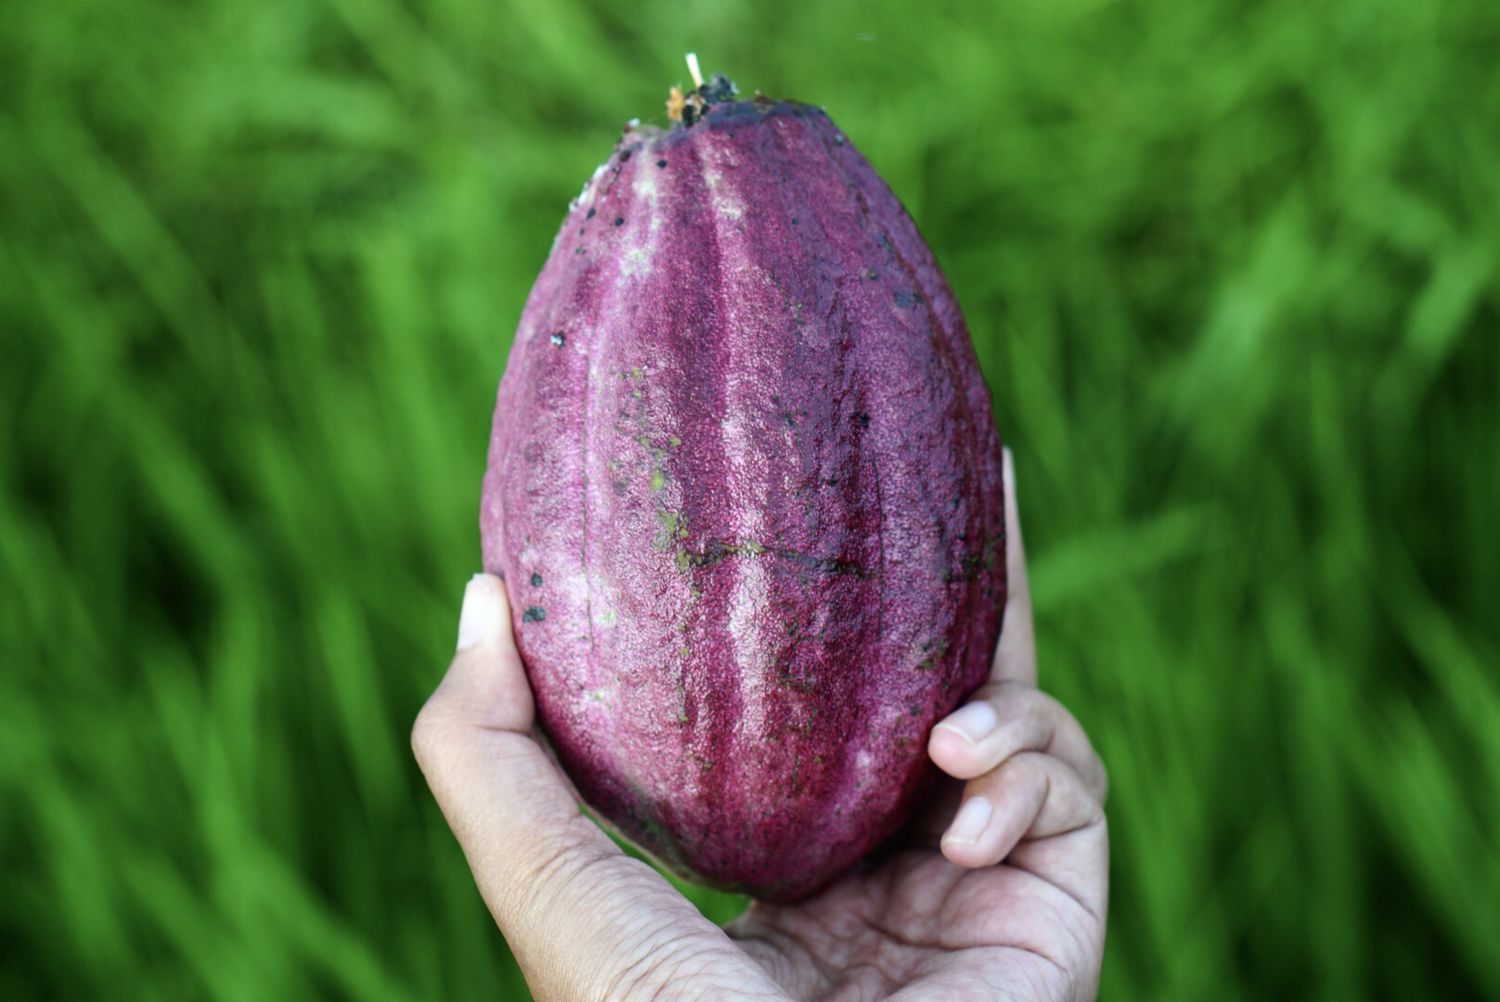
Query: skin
998 890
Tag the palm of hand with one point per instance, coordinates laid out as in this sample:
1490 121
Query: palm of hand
916 925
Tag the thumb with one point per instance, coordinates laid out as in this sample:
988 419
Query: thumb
473 740
582 918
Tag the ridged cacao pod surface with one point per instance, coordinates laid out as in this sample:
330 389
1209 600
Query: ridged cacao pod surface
744 489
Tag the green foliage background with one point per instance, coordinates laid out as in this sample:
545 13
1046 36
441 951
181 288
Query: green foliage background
1232 271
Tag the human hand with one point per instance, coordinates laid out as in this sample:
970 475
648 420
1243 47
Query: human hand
1008 903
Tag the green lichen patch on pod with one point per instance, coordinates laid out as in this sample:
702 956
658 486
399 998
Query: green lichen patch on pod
743 438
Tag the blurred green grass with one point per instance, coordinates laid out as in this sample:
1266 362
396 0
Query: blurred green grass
1232 272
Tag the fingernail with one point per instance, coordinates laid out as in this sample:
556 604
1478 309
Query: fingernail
1008 466
476 619
973 723
970 822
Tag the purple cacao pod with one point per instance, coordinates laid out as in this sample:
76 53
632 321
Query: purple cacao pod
744 489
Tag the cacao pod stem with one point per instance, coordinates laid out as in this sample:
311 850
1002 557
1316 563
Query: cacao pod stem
689 107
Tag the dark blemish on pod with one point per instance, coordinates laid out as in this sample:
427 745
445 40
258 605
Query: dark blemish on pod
619 220
661 163
906 300
969 566
536 580
590 215
625 155
558 339
534 614
809 563
862 419
715 551
870 274
934 654
794 220
838 139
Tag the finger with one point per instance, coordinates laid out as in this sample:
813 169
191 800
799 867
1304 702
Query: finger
1005 718
582 918
1030 796
1015 655
1035 814
472 737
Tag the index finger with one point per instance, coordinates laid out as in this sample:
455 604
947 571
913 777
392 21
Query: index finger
1015 655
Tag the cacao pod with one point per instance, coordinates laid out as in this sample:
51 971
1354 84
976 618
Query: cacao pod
744 489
